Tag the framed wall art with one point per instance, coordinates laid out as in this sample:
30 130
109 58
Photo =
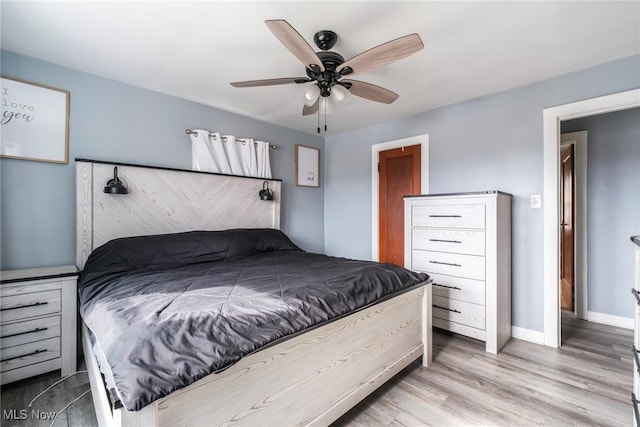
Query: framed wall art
35 121
307 166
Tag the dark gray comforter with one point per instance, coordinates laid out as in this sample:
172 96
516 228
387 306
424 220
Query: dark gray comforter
168 310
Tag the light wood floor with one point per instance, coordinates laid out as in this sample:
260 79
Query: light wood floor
587 381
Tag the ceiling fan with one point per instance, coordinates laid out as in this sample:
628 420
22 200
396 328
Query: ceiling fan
326 69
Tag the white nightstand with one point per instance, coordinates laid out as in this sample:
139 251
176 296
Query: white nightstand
37 322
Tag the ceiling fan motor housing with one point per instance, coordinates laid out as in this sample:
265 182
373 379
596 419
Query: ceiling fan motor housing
329 77
325 40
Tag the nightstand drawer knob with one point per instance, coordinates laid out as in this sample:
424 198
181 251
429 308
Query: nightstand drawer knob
23 355
24 333
35 304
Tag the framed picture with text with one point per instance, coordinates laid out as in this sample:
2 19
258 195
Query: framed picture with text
35 121
307 166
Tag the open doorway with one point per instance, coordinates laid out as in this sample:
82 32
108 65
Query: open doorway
613 203
552 209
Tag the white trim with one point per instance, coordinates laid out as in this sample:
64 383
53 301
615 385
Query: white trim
530 335
579 142
610 319
423 140
551 161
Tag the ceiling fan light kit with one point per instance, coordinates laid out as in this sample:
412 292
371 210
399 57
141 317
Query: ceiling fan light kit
326 69
337 95
340 93
311 94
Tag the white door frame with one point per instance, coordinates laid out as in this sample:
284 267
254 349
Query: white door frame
579 142
423 141
551 161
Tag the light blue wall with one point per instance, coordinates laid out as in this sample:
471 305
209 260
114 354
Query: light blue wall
117 122
489 143
613 207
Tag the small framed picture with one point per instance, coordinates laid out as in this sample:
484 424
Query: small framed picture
307 166
35 121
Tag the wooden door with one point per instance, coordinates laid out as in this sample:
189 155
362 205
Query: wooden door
567 249
399 175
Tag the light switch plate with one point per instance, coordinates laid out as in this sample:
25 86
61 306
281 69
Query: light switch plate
536 201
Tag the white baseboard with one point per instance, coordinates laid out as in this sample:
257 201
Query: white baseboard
609 319
537 337
530 335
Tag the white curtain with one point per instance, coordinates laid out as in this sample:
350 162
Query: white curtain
212 152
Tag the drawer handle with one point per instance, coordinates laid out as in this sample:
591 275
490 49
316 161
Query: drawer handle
445 216
449 287
636 294
445 308
24 355
24 333
35 304
446 263
635 356
634 403
445 241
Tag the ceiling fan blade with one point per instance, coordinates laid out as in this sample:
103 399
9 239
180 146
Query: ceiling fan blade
370 91
293 41
307 111
270 82
384 54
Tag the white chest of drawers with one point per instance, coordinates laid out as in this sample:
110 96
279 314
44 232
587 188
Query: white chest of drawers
37 322
463 241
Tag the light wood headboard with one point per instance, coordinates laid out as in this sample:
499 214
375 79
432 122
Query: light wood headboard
163 200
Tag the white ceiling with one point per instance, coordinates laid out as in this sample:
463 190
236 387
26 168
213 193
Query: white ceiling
193 50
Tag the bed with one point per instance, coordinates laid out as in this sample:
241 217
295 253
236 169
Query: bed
315 370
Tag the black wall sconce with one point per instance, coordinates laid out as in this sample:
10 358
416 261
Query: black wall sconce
265 193
115 185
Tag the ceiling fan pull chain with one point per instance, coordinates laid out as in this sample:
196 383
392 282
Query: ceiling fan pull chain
325 116
318 120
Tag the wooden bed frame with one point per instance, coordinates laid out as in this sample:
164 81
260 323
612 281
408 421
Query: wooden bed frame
310 379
